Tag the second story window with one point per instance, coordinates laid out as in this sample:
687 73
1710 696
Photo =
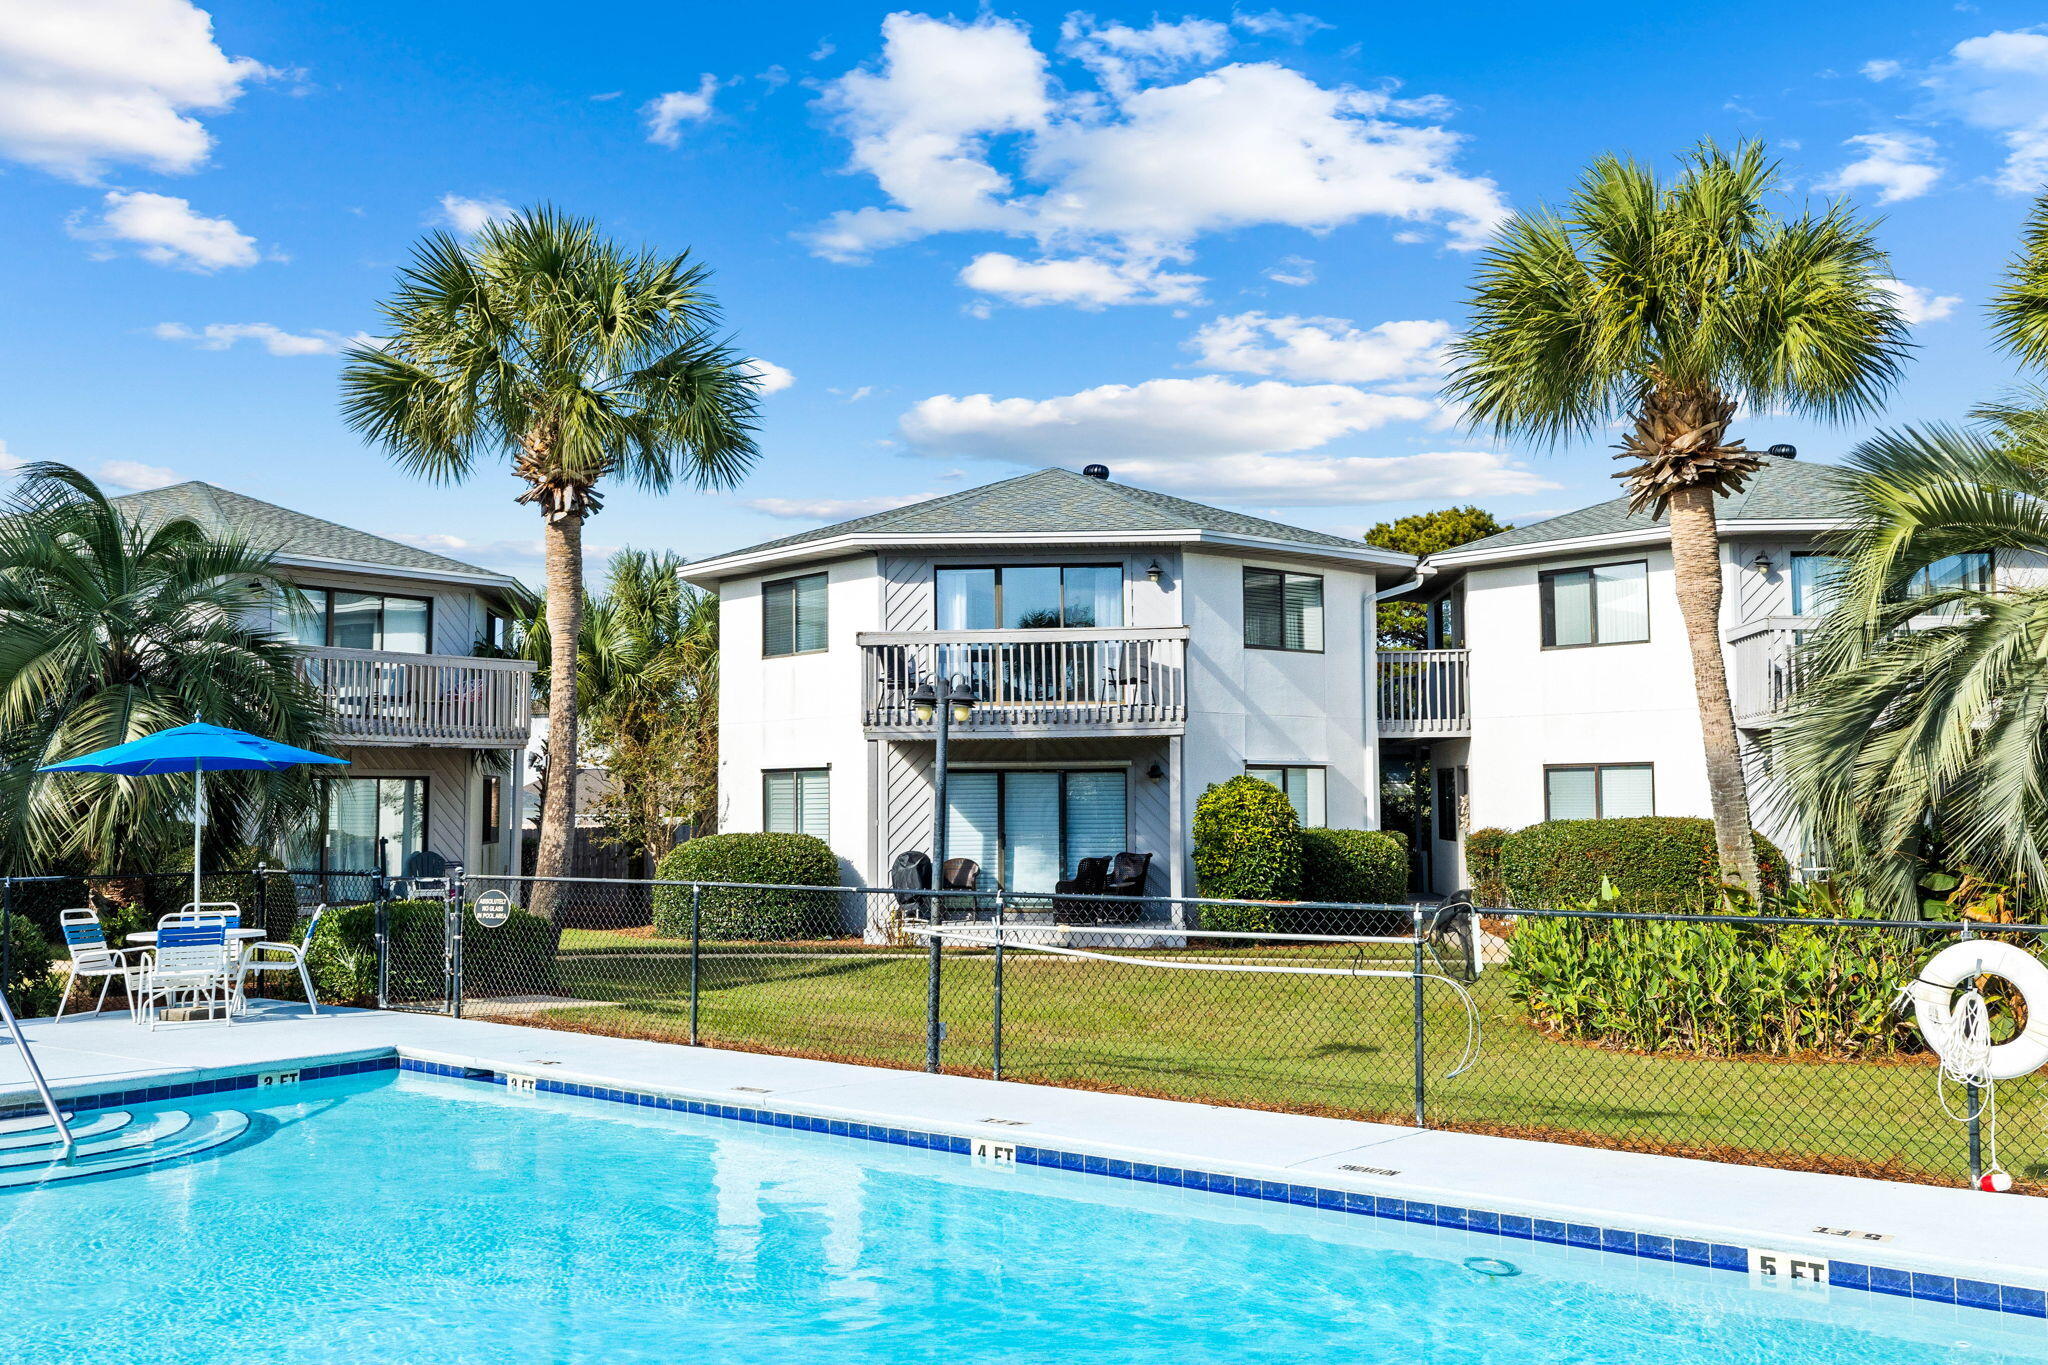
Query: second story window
793 615
347 619
1283 610
1030 597
1813 587
1606 604
1971 571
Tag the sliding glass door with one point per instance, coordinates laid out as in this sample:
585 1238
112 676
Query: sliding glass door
369 824
1026 829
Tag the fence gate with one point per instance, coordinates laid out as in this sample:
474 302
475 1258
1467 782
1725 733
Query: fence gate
419 954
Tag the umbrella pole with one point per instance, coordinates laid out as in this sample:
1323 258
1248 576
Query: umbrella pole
198 823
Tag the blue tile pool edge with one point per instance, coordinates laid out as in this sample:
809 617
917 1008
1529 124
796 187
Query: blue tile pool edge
2009 1299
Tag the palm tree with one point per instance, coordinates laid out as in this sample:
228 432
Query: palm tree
110 631
1917 740
1666 306
576 360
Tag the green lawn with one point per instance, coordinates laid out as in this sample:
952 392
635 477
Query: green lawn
1337 1045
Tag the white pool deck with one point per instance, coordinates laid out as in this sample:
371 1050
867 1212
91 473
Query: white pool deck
2003 1239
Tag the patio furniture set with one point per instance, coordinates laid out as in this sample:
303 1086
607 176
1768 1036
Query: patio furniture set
196 962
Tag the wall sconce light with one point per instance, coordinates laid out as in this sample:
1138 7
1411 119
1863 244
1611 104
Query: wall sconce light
1762 562
1155 571
1155 772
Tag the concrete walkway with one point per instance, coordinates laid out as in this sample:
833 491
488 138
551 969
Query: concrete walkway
1950 1232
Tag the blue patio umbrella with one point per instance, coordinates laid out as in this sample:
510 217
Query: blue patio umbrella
197 749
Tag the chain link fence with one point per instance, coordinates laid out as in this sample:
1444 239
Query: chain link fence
1767 1041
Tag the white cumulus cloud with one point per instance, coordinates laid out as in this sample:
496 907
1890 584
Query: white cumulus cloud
831 509
166 230
666 114
221 336
1998 82
470 216
1323 349
964 127
1084 281
134 475
1897 165
1921 305
769 376
89 84
1292 270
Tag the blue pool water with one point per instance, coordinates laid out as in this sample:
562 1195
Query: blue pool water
431 1222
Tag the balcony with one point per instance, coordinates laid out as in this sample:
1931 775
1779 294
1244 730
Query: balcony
1765 668
1425 693
375 697
1104 681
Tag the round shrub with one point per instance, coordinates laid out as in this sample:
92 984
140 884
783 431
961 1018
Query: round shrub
1247 847
1655 862
1367 866
1483 849
775 859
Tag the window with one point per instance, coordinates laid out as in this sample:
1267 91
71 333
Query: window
367 824
1813 586
347 619
1971 571
1607 604
1446 629
1449 784
793 616
1598 791
797 801
1303 785
1030 828
1283 610
1030 597
494 807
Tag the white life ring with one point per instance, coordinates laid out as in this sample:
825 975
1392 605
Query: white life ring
1934 992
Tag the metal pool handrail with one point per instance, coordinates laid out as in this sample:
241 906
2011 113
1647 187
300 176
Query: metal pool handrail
35 1073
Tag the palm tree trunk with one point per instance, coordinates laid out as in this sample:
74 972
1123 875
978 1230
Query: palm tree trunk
1696 572
562 541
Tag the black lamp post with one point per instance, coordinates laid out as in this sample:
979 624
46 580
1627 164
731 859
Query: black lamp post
940 701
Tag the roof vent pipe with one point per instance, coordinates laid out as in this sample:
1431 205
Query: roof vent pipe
1095 471
1784 452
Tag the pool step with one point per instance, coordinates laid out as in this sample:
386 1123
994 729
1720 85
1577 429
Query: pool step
46 1136
30 1122
116 1141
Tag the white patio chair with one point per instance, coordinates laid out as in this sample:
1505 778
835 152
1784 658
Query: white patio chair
282 957
91 957
193 966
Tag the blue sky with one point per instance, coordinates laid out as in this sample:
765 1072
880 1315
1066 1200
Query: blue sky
1217 249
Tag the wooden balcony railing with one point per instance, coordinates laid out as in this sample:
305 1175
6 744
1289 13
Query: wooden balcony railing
377 697
1129 680
1766 667
1425 692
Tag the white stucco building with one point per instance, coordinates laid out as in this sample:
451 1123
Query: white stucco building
1128 648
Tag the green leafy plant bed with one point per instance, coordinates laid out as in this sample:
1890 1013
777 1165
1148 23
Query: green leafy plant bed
1715 989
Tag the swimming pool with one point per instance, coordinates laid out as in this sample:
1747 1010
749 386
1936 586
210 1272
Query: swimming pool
402 1218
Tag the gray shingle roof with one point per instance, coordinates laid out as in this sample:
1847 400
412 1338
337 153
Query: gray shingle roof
1052 500
267 526
1783 490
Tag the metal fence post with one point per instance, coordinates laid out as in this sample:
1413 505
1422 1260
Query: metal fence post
696 953
1976 1117
7 935
1421 1051
383 953
455 944
996 1064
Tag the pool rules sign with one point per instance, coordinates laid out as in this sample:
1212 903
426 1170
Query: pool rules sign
492 909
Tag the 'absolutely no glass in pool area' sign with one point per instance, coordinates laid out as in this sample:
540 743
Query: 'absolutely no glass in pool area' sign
493 908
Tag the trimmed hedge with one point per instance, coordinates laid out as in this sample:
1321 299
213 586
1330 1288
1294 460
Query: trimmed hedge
516 958
1483 848
775 859
1660 862
1247 847
1715 990
1363 865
